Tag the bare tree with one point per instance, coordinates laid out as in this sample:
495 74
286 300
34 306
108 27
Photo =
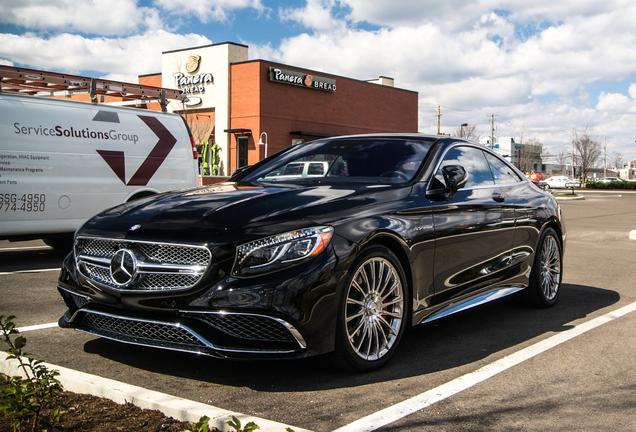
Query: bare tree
616 160
466 131
588 151
528 154
563 159
522 131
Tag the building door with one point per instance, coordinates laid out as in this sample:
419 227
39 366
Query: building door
241 144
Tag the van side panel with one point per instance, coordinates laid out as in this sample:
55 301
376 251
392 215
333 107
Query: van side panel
62 162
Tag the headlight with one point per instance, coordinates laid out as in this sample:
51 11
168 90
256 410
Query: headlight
280 251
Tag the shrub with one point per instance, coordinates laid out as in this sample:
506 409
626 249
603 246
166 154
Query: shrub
33 401
611 185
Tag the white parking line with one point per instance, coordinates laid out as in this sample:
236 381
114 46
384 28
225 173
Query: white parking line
37 327
25 248
30 271
426 399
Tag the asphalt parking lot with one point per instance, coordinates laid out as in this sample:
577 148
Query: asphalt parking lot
497 368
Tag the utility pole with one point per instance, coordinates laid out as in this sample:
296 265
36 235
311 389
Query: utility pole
492 129
572 154
605 158
439 119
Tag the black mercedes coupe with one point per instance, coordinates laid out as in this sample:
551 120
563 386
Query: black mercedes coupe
333 247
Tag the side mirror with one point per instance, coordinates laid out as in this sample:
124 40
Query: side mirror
455 178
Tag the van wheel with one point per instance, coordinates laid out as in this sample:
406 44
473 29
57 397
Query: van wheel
373 313
61 242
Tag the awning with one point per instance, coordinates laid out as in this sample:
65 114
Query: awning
312 134
239 131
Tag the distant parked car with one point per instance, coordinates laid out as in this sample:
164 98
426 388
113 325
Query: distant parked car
609 179
559 182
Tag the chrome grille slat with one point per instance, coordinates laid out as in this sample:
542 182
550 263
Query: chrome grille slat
161 266
140 332
250 327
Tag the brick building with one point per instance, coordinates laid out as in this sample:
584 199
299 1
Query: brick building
235 103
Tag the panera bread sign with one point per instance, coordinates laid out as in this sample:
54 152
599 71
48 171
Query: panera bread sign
301 79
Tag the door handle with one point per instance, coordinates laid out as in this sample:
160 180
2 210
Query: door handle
498 197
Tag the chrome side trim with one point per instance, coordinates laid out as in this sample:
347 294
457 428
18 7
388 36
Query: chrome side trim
471 302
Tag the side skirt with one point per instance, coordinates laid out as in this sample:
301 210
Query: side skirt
471 302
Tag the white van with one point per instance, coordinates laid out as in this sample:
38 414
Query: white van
63 161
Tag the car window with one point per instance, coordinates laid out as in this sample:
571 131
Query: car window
293 169
473 161
316 169
350 160
501 172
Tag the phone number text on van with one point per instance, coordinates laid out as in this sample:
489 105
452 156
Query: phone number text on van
58 131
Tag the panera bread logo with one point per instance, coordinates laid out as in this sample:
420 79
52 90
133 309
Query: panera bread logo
194 83
301 79
193 63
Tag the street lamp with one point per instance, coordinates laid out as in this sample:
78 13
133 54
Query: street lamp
464 125
260 141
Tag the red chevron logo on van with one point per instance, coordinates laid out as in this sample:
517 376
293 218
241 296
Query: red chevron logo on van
116 160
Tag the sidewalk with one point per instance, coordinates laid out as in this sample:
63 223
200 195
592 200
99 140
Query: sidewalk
121 393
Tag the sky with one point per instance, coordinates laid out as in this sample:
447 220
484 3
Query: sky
543 68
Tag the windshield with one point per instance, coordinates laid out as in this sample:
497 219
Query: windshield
364 160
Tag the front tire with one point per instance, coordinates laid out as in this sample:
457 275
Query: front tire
372 312
545 278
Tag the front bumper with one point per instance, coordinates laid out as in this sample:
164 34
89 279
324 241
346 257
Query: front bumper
216 334
289 314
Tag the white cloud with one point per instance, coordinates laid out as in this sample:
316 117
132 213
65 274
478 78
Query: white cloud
126 57
4 62
210 10
615 103
112 17
462 14
315 15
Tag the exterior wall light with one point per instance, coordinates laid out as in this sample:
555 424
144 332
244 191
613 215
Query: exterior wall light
260 141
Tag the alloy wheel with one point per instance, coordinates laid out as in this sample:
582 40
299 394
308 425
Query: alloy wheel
374 309
550 267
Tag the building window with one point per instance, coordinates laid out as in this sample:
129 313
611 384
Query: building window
241 144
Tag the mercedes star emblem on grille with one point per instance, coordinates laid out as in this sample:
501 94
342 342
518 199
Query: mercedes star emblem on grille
123 267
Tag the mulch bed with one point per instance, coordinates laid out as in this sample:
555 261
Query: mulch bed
88 413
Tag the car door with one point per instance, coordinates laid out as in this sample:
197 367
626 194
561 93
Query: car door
474 227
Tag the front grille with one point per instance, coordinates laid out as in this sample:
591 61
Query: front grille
79 301
190 335
140 332
171 254
250 327
161 281
154 266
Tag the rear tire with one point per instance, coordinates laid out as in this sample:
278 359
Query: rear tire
373 311
545 278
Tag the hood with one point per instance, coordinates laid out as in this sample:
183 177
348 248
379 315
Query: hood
232 206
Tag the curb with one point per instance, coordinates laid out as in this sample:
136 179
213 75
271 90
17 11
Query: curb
178 408
575 198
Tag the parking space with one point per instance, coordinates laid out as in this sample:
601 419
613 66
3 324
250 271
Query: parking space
584 383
